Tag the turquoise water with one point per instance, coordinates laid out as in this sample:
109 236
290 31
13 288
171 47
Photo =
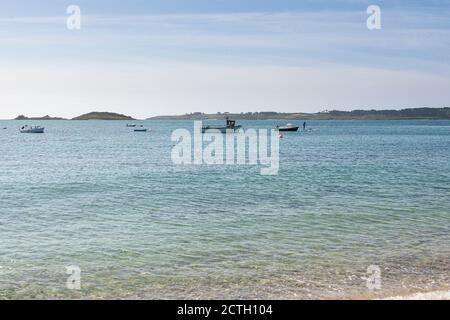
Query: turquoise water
348 195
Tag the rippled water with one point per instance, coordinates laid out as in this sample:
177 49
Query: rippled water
348 195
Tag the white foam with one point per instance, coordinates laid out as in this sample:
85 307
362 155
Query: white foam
435 295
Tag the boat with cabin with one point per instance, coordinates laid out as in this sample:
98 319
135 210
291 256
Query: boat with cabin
230 127
31 129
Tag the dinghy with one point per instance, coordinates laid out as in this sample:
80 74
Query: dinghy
140 129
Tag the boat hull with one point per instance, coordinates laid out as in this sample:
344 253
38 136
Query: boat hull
221 129
287 129
40 130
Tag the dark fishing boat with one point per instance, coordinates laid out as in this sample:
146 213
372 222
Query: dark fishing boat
288 127
230 127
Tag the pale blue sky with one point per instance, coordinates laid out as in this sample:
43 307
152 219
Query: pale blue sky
148 58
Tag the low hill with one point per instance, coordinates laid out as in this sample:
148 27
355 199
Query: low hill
22 117
404 114
103 116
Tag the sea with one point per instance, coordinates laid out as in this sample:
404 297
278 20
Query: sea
94 210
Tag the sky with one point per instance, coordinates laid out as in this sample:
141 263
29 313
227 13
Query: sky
159 57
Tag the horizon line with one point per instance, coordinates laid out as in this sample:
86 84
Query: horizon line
200 113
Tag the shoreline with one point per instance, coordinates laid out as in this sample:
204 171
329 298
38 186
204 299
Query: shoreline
441 293
431 295
418 113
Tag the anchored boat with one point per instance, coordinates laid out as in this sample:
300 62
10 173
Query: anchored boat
31 129
140 129
230 126
288 127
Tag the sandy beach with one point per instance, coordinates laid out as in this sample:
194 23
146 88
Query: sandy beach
433 295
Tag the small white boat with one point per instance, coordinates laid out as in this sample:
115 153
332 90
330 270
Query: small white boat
131 125
140 129
31 129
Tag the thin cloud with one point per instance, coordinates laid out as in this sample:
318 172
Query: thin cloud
175 63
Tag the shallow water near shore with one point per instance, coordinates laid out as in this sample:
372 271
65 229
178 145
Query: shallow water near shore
348 195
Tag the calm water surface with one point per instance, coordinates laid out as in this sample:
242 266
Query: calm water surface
348 195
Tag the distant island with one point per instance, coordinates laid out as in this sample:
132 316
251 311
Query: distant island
404 114
103 116
87 116
22 117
